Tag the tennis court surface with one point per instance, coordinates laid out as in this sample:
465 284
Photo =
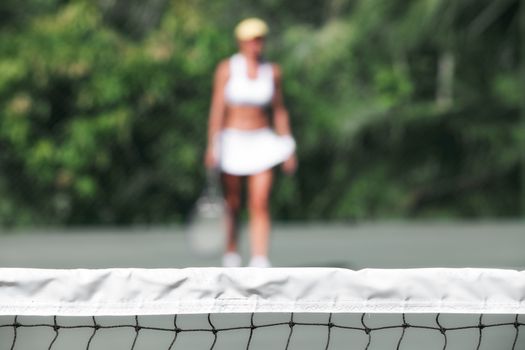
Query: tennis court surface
382 245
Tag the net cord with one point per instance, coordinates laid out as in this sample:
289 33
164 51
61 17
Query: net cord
130 292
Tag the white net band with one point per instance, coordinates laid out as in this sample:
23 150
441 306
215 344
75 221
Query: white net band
122 292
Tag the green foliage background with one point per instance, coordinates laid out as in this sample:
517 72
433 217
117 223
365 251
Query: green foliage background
400 108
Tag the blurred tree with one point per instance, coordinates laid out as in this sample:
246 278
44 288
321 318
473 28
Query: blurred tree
135 18
16 14
400 108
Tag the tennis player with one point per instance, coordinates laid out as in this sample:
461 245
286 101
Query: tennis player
242 140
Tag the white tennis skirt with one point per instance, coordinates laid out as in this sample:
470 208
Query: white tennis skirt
249 152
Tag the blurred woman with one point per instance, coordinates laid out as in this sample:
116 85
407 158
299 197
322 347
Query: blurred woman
242 140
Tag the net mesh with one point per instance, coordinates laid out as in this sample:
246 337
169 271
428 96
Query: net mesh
265 331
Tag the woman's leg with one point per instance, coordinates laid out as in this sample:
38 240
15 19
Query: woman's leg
232 187
259 187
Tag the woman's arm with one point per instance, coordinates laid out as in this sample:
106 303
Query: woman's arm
281 120
217 110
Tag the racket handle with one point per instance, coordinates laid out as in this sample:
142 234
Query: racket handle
213 182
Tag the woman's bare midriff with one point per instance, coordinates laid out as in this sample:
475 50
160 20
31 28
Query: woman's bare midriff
245 118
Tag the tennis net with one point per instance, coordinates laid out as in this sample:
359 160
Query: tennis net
310 308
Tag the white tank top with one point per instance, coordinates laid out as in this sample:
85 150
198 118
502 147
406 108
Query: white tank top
242 90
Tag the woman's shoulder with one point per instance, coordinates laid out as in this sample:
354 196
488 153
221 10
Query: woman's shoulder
225 62
223 68
276 69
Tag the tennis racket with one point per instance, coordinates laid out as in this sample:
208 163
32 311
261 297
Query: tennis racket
205 230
